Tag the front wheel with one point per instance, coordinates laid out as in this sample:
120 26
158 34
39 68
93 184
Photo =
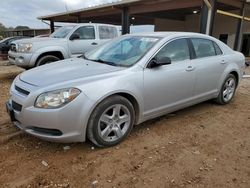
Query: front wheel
111 121
228 90
46 59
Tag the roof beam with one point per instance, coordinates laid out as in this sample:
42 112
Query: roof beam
101 12
163 6
234 3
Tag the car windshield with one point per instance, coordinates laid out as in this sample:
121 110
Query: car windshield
125 51
62 32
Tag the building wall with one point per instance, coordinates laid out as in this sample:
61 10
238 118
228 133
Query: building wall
169 25
225 25
192 23
246 25
222 25
30 33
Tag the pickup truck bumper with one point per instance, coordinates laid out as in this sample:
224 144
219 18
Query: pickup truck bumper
20 59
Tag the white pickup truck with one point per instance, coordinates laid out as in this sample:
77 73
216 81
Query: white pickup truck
65 42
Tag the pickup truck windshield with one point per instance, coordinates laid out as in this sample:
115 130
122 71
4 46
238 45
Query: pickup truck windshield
62 32
124 52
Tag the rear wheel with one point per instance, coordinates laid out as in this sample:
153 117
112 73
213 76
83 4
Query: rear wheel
228 90
46 59
111 121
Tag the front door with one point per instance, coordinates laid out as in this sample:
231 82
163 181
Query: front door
87 40
170 86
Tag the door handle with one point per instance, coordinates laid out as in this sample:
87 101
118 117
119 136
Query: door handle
223 62
94 43
190 68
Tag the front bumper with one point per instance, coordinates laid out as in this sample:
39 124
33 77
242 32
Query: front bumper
20 59
66 124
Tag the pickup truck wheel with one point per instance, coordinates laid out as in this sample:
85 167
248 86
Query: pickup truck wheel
46 59
111 121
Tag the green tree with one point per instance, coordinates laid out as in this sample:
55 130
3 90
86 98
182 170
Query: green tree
2 29
20 27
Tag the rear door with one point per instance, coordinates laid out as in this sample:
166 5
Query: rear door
171 86
209 65
86 41
106 33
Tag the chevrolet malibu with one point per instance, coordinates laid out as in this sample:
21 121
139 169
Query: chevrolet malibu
129 80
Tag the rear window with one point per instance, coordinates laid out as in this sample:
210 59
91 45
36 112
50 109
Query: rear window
107 32
203 48
217 49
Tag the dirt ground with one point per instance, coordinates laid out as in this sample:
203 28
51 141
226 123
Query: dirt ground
206 145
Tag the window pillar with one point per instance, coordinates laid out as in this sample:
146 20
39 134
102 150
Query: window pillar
125 21
52 26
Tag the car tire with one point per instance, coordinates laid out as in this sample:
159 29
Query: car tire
227 91
46 59
111 121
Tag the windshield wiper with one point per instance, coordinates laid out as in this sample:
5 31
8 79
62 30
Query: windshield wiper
83 56
57 37
105 62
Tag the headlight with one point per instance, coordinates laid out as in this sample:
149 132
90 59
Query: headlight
56 99
25 47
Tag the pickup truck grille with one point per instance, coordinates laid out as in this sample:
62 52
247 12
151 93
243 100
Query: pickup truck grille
13 47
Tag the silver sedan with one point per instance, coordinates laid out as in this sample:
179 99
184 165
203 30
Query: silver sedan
129 80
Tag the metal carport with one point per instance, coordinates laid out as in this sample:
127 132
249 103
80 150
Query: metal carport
141 12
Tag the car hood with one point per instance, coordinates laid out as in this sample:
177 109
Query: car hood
38 40
66 70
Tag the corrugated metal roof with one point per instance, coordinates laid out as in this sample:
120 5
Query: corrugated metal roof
114 3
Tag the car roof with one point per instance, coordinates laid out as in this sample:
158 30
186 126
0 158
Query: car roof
170 34
83 24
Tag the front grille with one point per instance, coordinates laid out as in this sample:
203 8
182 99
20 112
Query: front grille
20 90
16 106
13 47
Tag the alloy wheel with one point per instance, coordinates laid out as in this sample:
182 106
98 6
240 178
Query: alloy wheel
229 89
114 123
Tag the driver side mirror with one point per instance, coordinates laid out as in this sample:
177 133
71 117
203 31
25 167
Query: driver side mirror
156 62
74 36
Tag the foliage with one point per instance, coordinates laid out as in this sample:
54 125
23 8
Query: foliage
3 28
20 27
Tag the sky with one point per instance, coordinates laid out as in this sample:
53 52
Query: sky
25 12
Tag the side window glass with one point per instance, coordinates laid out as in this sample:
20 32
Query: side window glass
217 49
107 32
86 32
203 48
177 50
